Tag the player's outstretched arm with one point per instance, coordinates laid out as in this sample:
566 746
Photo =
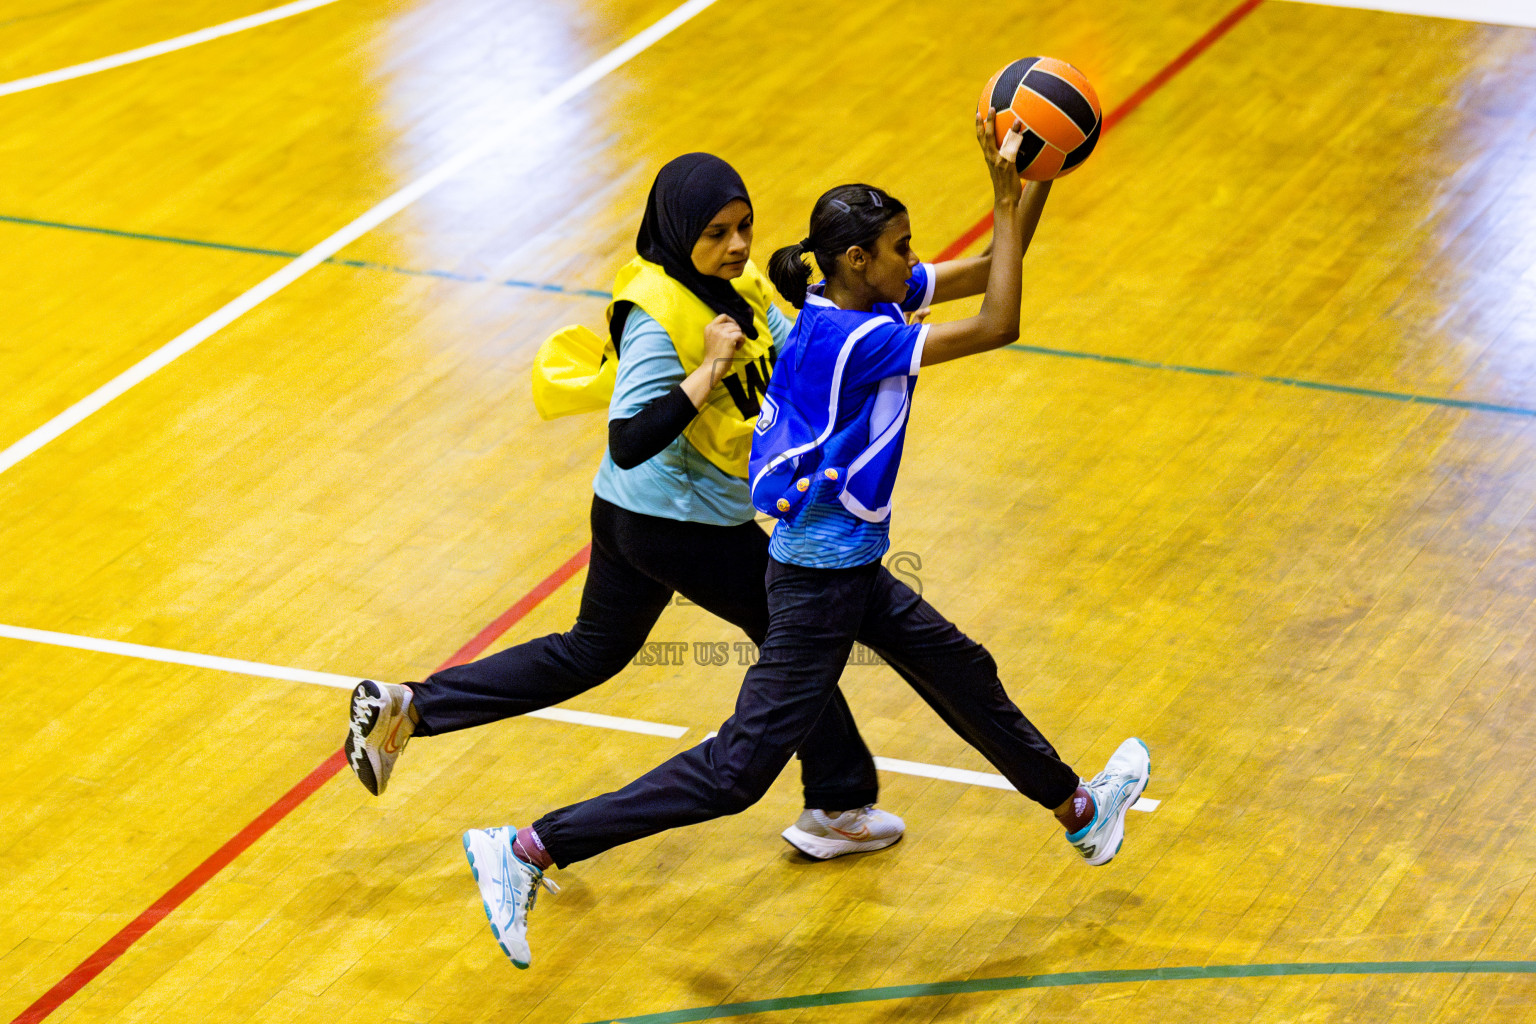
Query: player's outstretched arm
997 322
957 279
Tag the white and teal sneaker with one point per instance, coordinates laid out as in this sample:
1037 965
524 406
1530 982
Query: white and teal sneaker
508 887
1114 790
824 836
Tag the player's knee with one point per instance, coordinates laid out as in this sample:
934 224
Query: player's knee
593 661
737 799
979 665
986 664
740 793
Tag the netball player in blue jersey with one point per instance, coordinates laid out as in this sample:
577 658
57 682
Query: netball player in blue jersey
825 459
695 331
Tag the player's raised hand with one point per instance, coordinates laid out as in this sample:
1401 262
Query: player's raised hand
1006 184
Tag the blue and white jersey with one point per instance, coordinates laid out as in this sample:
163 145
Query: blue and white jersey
838 400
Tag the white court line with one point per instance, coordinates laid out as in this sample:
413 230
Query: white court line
587 718
156 49
1495 12
970 778
201 331
248 668
966 777
302 675
610 722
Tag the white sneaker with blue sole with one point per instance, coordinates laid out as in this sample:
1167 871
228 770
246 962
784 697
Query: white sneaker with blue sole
1114 790
508 886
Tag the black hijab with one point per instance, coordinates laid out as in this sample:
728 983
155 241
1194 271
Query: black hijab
685 197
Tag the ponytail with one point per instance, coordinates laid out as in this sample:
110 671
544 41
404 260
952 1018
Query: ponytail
789 272
844 217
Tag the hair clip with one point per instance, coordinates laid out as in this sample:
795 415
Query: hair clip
842 205
874 197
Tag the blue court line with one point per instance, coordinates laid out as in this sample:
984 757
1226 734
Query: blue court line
447 275
595 293
1070 978
1293 382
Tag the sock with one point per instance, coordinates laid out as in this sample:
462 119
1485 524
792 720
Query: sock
1078 811
528 846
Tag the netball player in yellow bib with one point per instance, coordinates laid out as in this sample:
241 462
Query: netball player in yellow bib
693 331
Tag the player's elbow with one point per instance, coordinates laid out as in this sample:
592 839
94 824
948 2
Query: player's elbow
624 446
998 328
623 458
1003 335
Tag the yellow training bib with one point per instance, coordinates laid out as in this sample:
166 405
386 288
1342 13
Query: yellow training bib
575 368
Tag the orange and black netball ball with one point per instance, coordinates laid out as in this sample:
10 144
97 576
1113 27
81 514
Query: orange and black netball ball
1059 111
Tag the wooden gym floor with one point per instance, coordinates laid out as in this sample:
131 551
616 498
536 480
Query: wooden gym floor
1256 485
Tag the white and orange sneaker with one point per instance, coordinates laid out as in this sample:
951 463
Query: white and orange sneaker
824 836
381 726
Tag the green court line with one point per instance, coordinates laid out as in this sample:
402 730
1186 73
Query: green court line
140 236
1070 978
594 293
1293 382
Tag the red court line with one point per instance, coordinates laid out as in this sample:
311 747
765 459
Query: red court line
178 894
119 944
1119 114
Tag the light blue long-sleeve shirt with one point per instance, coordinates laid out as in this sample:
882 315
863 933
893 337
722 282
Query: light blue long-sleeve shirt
678 482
